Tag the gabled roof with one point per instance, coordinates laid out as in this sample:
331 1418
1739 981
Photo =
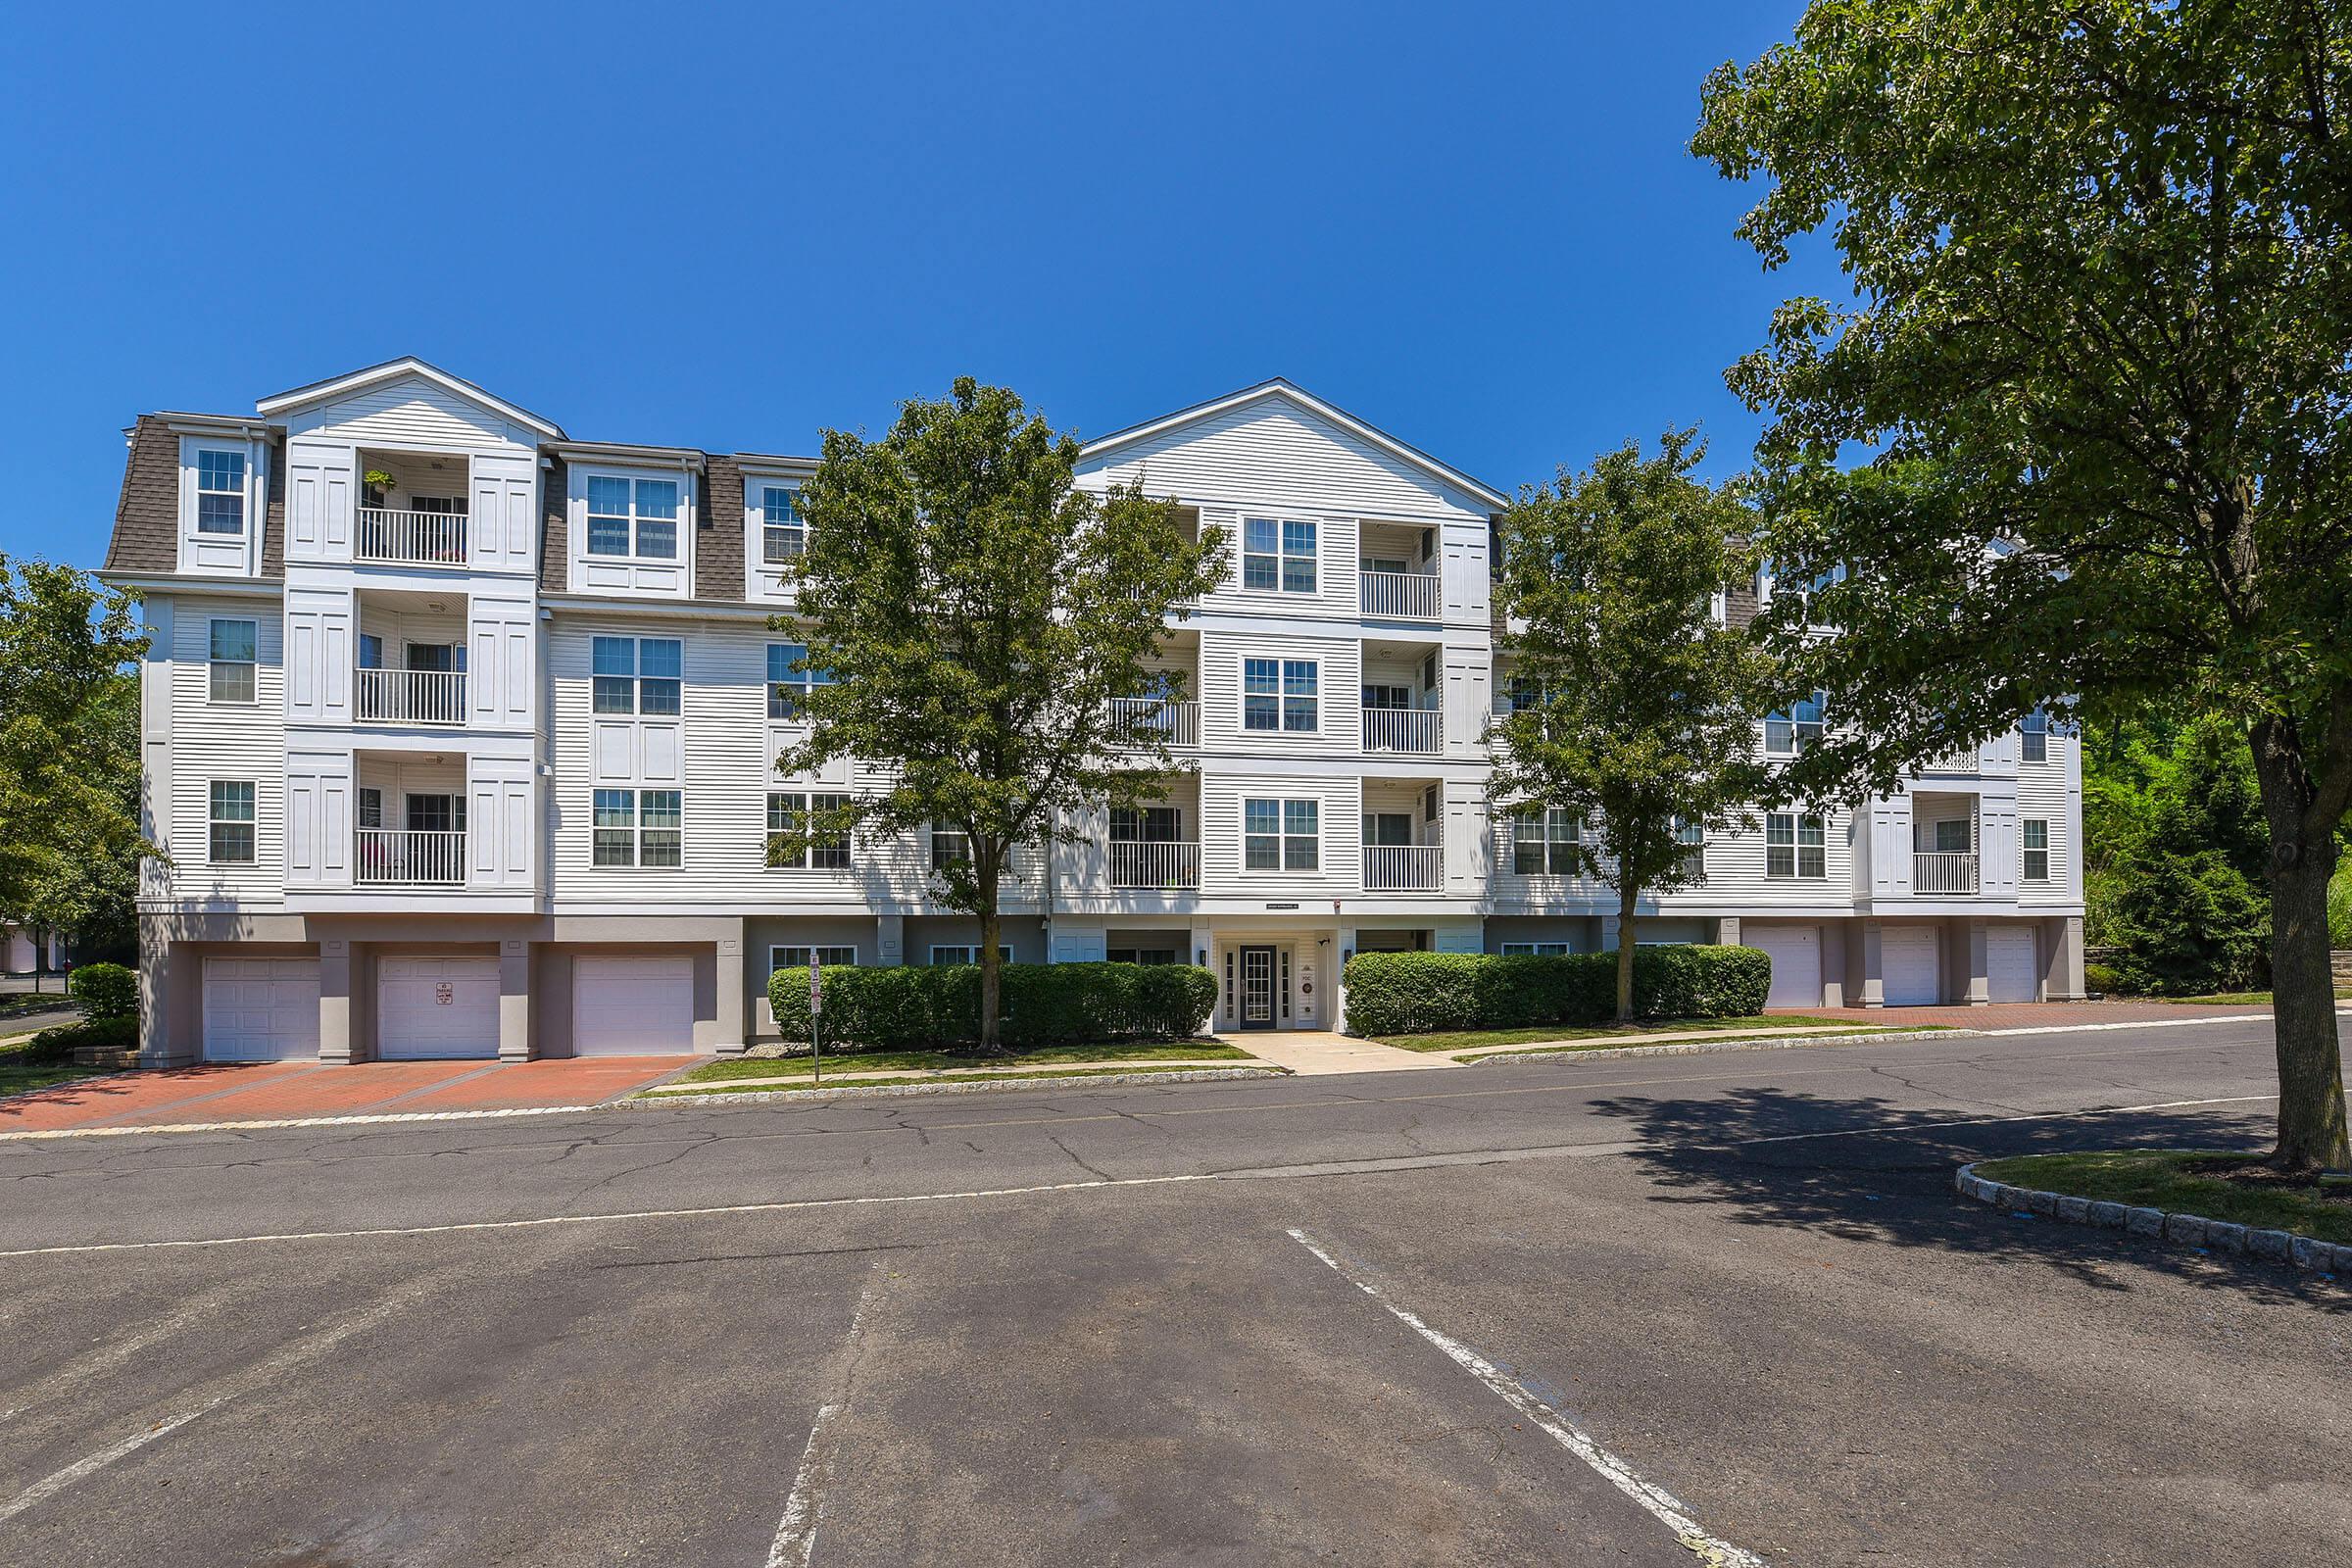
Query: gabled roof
393 370
1289 392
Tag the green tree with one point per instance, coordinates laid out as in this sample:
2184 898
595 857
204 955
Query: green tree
1633 707
973 616
70 841
2096 374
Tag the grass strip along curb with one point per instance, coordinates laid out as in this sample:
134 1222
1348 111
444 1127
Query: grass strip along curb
2186 1232
1112 1078
1570 1050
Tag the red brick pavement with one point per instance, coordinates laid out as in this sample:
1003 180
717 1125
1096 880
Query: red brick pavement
2026 1014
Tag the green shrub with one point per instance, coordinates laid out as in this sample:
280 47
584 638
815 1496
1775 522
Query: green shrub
2193 924
1415 992
58 1044
901 1009
2103 978
105 991
2340 908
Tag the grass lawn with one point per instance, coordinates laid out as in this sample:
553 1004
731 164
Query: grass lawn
2230 998
1016 1061
1611 1034
1140 1065
17 1075
2161 1178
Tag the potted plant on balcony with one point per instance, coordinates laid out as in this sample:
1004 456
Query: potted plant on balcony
376 487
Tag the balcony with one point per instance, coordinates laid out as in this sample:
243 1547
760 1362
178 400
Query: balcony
1410 731
1176 725
410 697
1165 867
1404 867
396 858
1401 595
410 538
1941 873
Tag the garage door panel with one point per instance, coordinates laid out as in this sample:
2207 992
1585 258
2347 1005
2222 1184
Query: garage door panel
1795 954
1911 974
429 1007
260 1010
632 1007
2013 965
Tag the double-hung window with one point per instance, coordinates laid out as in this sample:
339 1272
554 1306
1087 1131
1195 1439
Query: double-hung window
1524 694
1145 824
2034 736
1795 730
1281 695
1544 840
789 679
2036 842
232 660
637 674
638 827
789 812
232 823
780 958
949 846
1281 835
782 535
1794 846
1692 837
946 954
636 517
1278 557
220 492
1533 949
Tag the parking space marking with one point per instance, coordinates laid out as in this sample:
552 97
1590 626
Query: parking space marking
1655 1501
49 1486
804 1506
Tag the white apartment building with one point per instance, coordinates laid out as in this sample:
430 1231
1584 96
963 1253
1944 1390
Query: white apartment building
459 736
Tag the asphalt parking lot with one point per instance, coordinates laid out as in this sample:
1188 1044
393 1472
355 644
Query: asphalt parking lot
1520 1313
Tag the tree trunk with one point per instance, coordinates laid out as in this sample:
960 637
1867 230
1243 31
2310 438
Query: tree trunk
1626 919
990 962
2312 1132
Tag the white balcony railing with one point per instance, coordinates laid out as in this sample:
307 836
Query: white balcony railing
1963 760
412 696
1170 867
1404 867
1402 595
417 538
1419 731
390 856
1943 871
1174 724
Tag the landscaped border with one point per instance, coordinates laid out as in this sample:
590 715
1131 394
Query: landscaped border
642 1100
2188 1231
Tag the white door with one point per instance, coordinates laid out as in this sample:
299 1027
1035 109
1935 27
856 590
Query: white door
434 1006
632 1007
1795 954
260 1010
2011 964
1908 964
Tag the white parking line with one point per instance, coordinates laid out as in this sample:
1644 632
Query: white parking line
48 1487
805 1507
1656 1502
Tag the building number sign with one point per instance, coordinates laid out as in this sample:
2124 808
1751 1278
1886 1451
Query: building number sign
444 994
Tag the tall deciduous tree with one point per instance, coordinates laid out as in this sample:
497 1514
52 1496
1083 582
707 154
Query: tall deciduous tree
975 616
2102 259
1633 707
70 841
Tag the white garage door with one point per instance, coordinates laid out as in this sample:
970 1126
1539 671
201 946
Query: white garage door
1796 951
2011 964
427 1007
1907 960
260 1010
632 1007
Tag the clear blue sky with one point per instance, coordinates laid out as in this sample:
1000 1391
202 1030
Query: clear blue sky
732 228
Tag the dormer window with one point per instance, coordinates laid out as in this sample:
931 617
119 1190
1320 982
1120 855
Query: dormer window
220 492
636 517
782 535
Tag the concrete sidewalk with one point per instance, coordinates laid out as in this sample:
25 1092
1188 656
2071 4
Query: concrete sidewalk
1312 1051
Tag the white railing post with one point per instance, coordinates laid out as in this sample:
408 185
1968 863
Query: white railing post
416 538
1404 867
412 696
1175 725
390 856
1943 871
1164 866
1401 595
1419 731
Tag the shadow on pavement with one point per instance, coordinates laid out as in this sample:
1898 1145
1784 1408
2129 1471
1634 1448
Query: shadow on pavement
1881 1184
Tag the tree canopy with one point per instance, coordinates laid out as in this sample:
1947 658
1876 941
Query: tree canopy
2080 429
1633 707
972 617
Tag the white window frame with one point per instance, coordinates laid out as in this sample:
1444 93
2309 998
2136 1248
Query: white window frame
2028 849
241 491
785 691
952 835
1793 842
215 820
970 950
634 834
1284 555
1559 856
1287 838
1798 731
794 956
638 682
214 664
1289 703
1536 949
635 518
2034 737
793 534
801 801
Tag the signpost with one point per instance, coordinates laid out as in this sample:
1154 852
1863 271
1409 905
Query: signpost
817 1009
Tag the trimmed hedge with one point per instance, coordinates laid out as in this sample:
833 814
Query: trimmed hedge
105 991
899 1009
53 1046
1415 993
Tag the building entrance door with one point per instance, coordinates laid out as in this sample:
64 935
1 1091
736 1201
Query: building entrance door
1257 988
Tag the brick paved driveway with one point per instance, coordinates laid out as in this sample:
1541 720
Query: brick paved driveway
2029 1014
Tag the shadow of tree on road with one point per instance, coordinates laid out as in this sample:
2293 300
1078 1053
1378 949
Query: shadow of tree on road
1861 1169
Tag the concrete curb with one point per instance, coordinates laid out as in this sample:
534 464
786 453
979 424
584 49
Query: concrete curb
1708 1048
770 1097
2183 1232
